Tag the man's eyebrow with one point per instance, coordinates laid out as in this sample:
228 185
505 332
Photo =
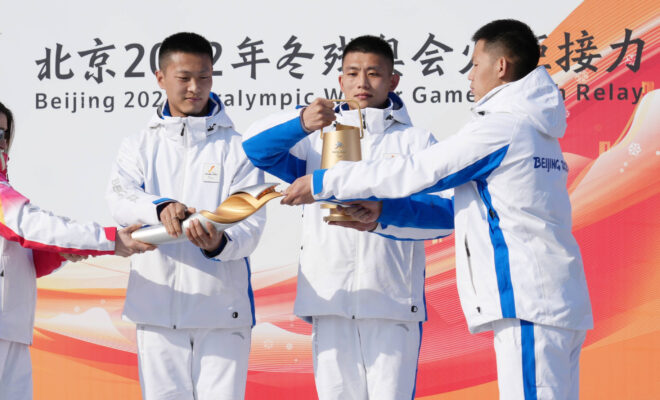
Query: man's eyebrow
376 66
185 71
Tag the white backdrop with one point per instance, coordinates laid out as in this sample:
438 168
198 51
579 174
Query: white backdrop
61 158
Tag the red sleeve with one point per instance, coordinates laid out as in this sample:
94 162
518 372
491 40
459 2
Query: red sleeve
46 262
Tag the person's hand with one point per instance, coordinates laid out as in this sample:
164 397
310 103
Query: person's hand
299 192
363 210
73 257
172 215
125 245
208 239
360 226
320 113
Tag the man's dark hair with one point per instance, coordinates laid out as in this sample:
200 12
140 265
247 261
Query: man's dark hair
516 40
10 122
370 44
183 42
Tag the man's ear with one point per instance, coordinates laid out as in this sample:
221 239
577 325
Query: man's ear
502 67
160 77
394 81
505 69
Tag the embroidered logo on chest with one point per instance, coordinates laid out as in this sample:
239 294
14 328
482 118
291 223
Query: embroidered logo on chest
211 172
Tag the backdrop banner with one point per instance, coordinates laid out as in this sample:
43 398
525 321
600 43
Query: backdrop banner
79 77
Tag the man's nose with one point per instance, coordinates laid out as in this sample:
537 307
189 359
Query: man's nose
362 80
193 85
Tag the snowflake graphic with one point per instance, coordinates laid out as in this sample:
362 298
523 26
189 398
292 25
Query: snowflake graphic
634 149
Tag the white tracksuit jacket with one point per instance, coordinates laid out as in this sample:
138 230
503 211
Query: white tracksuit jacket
343 271
30 243
515 254
198 161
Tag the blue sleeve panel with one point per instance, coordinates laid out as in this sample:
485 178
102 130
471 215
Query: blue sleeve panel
479 169
269 150
162 200
419 211
317 180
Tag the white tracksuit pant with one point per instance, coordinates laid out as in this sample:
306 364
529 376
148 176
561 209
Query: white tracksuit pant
537 362
187 364
15 371
359 359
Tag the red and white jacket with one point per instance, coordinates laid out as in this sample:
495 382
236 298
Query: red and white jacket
30 243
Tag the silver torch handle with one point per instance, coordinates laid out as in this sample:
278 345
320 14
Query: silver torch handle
156 234
234 209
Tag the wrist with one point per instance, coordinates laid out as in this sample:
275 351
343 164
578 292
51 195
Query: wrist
302 121
218 249
161 206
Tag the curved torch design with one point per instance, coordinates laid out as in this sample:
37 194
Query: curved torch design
233 210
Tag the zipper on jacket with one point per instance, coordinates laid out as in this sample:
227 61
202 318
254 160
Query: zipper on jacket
358 263
469 266
174 309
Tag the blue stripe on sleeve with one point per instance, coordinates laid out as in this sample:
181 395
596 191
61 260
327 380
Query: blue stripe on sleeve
317 180
479 169
269 150
418 211
162 200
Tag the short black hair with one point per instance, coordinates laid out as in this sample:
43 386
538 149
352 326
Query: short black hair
183 42
10 122
370 44
517 41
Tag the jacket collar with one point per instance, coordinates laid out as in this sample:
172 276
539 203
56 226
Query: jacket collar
535 97
198 127
376 120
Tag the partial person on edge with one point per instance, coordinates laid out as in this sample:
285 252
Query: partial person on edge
33 243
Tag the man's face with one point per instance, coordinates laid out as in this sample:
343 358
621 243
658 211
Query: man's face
367 78
486 72
187 79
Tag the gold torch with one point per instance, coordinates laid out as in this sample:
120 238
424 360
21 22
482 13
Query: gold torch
342 144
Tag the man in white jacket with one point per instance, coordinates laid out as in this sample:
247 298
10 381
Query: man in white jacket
192 301
33 243
518 267
363 291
